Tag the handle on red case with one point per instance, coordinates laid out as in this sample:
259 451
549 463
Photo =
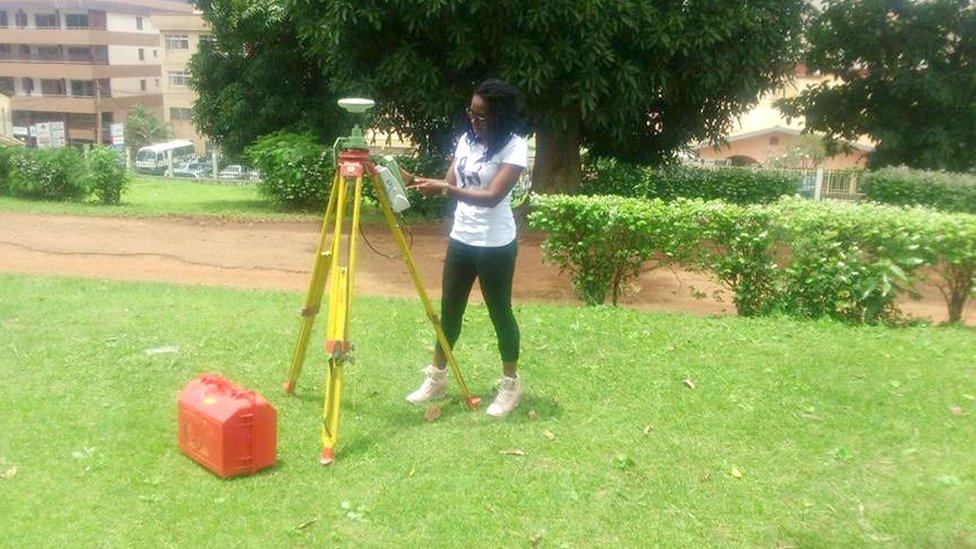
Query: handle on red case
219 382
226 386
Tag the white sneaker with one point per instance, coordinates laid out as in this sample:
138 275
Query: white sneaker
432 387
509 393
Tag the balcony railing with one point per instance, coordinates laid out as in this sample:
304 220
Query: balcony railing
62 59
106 94
60 27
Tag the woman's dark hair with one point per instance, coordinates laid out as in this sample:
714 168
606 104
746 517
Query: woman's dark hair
503 114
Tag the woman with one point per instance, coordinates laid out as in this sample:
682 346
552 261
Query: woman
487 162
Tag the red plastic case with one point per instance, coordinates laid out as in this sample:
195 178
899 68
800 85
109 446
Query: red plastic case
226 429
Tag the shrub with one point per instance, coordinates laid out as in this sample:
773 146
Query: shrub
106 176
733 242
601 241
608 175
846 261
47 174
735 185
297 170
949 246
5 155
953 192
811 259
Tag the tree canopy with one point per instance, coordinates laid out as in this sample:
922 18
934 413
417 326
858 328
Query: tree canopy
636 79
253 79
906 77
142 128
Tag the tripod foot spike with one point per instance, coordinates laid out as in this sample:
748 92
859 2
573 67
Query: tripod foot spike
472 402
327 457
289 387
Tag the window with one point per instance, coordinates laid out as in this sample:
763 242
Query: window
83 87
177 42
5 51
157 82
24 52
3 18
142 85
21 18
28 84
50 53
142 54
180 113
178 78
138 23
155 54
79 55
52 87
76 20
7 85
46 20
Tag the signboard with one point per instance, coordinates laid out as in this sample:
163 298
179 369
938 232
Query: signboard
21 131
118 134
58 135
42 132
50 135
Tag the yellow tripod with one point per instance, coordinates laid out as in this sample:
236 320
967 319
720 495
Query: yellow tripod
354 164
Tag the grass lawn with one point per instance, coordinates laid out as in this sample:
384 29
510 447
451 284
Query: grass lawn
794 433
157 196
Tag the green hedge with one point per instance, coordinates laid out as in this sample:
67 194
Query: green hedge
736 185
803 258
6 154
953 192
601 241
106 175
297 170
46 174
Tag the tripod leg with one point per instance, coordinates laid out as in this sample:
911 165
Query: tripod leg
354 237
331 406
337 342
313 298
469 399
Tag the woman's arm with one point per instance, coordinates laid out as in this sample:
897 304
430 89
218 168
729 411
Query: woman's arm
500 186
410 179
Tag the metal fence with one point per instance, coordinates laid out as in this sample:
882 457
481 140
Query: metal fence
207 168
821 184
815 184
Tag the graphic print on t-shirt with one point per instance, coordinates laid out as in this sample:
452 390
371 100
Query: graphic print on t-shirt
469 179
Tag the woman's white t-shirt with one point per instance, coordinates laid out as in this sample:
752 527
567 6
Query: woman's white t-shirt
481 225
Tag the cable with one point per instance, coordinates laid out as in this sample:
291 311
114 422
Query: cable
409 232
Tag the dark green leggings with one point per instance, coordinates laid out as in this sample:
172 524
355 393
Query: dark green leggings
494 268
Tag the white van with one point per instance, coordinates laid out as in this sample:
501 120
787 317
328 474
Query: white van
152 159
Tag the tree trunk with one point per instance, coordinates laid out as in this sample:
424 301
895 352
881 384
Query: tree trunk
960 287
557 158
956 304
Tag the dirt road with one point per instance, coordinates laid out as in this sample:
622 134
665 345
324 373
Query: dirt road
278 255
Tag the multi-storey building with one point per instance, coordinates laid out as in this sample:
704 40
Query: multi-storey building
180 37
82 62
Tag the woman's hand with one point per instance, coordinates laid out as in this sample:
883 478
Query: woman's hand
408 177
429 187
